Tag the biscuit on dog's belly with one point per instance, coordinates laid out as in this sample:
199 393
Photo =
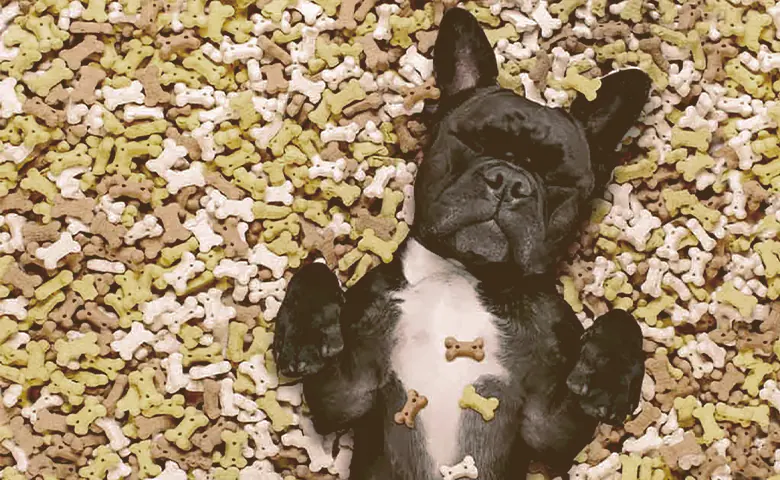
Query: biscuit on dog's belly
441 306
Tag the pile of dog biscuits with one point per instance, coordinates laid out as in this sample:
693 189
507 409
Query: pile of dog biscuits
167 165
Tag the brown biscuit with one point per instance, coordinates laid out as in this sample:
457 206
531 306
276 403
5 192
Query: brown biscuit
271 48
114 234
84 88
79 208
183 42
21 280
208 440
63 314
50 422
74 56
274 75
414 403
38 109
150 79
17 201
148 427
95 316
91 27
474 350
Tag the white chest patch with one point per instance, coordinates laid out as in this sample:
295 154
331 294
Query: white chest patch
441 302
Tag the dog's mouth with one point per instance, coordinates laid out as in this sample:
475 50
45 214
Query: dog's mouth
485 242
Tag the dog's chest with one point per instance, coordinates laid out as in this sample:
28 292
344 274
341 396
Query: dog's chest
440 306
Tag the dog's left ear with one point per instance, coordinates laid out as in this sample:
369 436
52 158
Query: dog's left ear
615 109
462 56
606 119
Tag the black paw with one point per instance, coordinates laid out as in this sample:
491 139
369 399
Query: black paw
308 331
608 375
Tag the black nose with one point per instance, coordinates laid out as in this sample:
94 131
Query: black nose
503 180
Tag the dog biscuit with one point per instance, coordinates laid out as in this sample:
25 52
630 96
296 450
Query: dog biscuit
414 403
474 350
484 406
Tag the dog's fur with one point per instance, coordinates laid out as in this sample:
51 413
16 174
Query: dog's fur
502 187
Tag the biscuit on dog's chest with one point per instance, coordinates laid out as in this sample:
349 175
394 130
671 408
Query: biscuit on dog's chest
474 350
414 403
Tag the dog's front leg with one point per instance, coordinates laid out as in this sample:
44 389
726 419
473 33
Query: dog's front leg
604 385
607 378
313 340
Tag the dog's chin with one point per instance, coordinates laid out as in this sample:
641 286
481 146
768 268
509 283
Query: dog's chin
482 243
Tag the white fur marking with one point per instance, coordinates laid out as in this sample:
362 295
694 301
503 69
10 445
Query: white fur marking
441 301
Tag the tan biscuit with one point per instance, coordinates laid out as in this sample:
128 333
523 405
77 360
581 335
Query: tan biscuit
84 88
474 349
235 246
271 48
63 314
50 422
23 436
170 216
717 54
274 75
371 102
183 42
21 280
189 197
98 317
688 446
304 473
147 427
295 104
16 201
365 7
313 239
723 387
218 181
76 55
153 91
186 141
756 195
426 39
382 227
414 403
541 68
162 449
118 186
91 28
114 234
37 108
637 426
346 18
78 208
211 390
208 440
175 112
377 59
406 140
611 30
147 20
362 119
652 46
57 94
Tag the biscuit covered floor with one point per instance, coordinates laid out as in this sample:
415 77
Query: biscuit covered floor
166 165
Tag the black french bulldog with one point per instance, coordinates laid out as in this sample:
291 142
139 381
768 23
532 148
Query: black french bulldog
503 186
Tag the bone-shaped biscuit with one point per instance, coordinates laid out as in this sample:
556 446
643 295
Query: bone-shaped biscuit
484 406
474 350
414 403
465 469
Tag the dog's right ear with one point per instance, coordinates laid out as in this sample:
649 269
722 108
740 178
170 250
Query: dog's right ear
462 56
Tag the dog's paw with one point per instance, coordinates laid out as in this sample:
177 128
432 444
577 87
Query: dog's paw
308 331
608 375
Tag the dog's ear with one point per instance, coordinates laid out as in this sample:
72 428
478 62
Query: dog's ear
462 55
615 110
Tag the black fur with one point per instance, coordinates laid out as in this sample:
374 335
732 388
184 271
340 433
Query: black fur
503 185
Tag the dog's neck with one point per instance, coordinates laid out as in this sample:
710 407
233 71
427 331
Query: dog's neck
418 262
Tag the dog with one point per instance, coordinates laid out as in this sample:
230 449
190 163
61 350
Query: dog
502 188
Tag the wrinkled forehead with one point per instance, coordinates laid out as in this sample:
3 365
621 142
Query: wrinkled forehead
504 119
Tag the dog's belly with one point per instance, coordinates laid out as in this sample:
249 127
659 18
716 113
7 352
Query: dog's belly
443 306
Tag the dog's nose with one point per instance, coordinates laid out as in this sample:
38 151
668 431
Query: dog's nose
506 180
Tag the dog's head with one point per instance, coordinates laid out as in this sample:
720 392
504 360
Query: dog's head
505 181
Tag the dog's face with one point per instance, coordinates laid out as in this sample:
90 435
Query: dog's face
505 181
